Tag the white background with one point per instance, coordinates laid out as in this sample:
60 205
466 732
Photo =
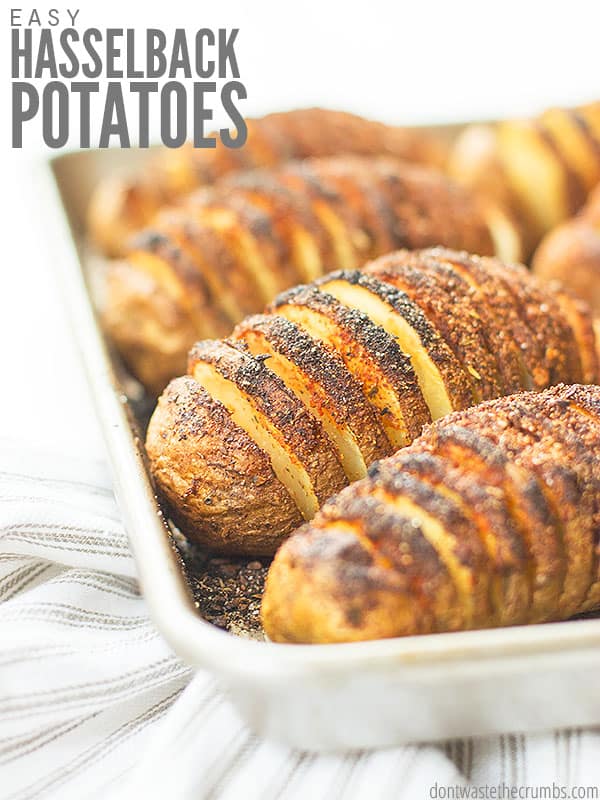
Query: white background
400 61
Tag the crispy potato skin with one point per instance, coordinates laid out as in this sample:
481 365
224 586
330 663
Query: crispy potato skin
324 375
547 434
301 432
120 207
365 341
228 250
212 474
331 564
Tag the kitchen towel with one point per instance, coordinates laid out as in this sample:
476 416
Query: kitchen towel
93 704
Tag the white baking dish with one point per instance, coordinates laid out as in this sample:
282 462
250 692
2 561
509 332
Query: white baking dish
328 696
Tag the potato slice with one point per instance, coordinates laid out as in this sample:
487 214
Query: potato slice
506 230
552 344
505 289
525 534
578 433
575 144
503 365
591 113
535 172
450 315
204 249
157 254
401 541
577 314
234 248
497 309
349 249
250 233
430 212
372 356
260 404
474 163
150 324
451 534
526 442
213 474
156 305
293 220
319 378
432 361
546 316
577 190
353 181
575 443
511 573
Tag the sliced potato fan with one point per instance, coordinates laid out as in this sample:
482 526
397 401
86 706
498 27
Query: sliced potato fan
491 512
374 357
228 250
320 380
121 206
392 310
342 372
272 416
530 175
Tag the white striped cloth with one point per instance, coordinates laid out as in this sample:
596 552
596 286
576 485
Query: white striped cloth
94 705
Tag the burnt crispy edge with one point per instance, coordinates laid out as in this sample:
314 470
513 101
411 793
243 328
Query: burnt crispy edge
400 539
302 433
402 269
380 347
324 367
501 316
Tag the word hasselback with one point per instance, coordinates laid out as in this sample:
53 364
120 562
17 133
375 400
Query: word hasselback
156 66
114 53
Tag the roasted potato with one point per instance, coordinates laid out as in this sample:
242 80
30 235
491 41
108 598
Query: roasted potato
344 371
571 253
530 174
122 206
487 519
232 248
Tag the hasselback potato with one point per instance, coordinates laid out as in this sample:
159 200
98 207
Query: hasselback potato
199 270
302 399
122 206
490 518
571 253
532 174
